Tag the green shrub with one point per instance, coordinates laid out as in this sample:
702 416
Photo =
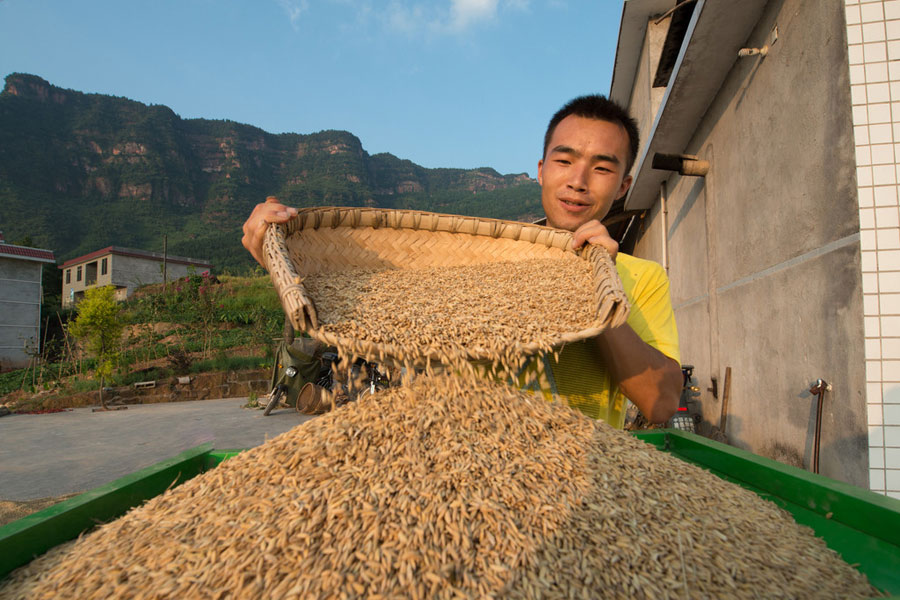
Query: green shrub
229 363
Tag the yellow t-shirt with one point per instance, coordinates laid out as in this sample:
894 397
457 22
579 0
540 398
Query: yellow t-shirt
579 377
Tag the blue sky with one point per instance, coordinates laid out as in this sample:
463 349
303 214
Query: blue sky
444 83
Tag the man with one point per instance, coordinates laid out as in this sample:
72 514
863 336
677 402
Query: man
589 149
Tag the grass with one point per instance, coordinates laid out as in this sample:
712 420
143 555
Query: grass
230 363
248 299
12 380
143 375
216 318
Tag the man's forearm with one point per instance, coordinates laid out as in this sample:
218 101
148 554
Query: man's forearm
645 375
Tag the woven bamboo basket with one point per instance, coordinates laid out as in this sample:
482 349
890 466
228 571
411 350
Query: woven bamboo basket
332 239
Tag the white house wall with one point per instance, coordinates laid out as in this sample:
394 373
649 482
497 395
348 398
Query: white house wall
20 310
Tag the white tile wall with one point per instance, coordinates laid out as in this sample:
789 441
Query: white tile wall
890 371
876 436
889 260
872 11
892 479
876 458
892 454
892 438
876 480
892 9
891 415
884 195
873 38
889 304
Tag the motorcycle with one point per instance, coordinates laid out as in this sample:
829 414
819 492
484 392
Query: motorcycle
306 375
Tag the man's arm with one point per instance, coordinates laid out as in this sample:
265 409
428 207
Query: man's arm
645 375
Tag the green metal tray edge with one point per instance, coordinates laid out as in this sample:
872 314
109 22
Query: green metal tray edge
875 514
32 535
856 523
214 458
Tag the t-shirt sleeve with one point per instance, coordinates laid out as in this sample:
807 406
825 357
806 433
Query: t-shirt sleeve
651 315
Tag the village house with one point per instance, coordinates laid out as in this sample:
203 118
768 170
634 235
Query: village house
20 302
767 185
125 269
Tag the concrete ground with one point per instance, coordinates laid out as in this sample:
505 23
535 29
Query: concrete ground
62 453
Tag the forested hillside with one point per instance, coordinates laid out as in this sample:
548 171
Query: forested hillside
79 172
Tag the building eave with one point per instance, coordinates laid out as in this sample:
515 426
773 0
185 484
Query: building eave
26 253
718 29
156 256
632 29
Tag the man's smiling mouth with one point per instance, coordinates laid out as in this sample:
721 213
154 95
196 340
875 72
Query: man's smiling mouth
571 202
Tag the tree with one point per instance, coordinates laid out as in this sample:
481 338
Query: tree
99 323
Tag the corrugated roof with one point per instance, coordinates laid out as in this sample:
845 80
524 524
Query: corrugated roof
27 253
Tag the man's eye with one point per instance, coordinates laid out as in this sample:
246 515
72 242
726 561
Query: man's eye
562 161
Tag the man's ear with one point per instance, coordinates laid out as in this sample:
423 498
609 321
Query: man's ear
540 165
623 189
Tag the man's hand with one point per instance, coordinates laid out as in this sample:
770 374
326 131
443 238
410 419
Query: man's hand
271 211
594 232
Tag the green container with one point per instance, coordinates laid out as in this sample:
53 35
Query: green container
862 526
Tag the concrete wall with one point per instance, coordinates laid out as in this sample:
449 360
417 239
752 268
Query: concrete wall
126 273
20 310
132 272
764 252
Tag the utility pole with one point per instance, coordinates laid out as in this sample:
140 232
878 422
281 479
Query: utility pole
165 256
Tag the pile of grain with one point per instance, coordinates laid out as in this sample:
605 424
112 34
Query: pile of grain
491 309
448 489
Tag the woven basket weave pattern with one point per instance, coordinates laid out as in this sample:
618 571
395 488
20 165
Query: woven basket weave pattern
330 239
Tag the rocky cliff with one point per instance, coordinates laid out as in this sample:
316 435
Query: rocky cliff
82 171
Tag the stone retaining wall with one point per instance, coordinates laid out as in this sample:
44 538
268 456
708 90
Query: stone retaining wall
200 386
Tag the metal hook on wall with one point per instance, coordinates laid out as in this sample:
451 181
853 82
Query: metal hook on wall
818 389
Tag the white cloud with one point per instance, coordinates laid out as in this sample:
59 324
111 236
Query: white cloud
453 16
294 8
464 13
406 19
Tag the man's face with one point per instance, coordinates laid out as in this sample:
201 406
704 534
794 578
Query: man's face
583 172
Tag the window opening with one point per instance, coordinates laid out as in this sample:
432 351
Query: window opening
681 18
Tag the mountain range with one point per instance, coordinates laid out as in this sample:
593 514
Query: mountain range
79 172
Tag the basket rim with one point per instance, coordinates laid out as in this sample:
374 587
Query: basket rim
301 310
334 217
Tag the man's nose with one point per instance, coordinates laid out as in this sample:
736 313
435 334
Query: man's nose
577 179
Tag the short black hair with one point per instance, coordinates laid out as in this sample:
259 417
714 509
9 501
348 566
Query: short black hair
596 106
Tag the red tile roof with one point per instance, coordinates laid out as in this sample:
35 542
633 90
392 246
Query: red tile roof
135 253
26 253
